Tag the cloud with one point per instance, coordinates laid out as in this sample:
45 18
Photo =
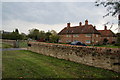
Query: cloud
24 26
51 15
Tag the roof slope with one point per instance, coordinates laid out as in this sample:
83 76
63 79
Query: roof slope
107 33
85 29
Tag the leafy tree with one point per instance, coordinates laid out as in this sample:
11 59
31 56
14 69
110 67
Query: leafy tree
113 7
47 36
54 38
16 31
34 34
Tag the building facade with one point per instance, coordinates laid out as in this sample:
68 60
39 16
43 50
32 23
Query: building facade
86 33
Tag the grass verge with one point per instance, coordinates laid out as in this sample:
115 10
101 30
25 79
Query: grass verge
27 64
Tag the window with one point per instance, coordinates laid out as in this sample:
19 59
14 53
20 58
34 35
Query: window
88 35
87 41
68 35
75 35
96 35
68 41
60 40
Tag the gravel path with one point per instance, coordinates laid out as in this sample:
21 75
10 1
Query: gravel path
11 49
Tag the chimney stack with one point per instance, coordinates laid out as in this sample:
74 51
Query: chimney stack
86 22
105 28
80 24
68 24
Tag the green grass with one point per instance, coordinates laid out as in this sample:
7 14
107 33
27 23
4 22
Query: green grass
27 64
22 44
5 45
108 46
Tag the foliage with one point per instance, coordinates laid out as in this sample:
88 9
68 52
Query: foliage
34 34
113 7
27 64
13 35
118 39
50 36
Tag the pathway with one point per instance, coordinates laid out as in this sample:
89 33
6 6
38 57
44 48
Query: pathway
12 49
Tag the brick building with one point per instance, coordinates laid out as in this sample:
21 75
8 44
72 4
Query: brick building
86 33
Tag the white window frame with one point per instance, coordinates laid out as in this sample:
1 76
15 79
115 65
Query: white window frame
75 35
68 35
88 41
88 35
68 40
96 35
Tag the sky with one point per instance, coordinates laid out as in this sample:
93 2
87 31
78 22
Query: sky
52 15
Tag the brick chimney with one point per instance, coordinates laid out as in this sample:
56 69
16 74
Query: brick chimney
95 27
86 22
80 24
105 28
68 24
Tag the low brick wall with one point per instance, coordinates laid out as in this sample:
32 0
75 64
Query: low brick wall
107 58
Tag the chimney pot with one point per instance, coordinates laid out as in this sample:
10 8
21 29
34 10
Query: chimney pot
105 28
80 24
68 24
86 22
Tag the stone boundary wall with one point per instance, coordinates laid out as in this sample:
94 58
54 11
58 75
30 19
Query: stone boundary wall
107 58
11 42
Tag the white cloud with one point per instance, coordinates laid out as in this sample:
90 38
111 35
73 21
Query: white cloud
48 0
24 26
47 16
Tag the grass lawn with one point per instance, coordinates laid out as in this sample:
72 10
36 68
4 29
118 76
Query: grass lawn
22 44
27 64
107 46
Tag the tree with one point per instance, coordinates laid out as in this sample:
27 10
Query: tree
47 36
54 37
113 9
34 34
16 31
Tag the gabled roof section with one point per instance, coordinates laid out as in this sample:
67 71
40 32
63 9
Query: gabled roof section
107 33
84 29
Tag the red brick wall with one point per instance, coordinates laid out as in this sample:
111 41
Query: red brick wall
110 39
81 37
96 38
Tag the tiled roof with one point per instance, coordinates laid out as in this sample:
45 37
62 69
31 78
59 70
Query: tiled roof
107 33
84 29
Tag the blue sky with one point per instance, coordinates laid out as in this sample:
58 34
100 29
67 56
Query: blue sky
52 15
